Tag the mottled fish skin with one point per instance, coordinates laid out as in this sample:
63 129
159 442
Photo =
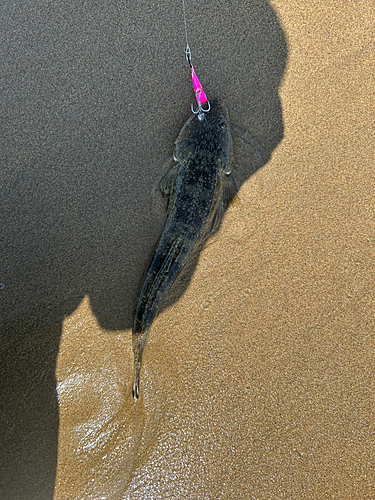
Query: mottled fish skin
199 187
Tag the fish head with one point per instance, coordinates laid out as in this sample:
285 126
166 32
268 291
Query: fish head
211 134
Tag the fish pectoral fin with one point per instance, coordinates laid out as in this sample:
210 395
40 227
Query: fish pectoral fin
229 190
168 181
217 218
229 195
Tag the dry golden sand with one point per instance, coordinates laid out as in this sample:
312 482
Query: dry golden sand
258 382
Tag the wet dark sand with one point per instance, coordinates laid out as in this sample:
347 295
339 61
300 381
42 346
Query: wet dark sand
257 379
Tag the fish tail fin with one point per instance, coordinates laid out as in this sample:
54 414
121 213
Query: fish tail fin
136 387
149 301
139 342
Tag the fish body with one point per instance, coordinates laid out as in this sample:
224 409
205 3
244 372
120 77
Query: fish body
199 187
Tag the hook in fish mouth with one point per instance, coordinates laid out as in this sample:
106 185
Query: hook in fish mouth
200 110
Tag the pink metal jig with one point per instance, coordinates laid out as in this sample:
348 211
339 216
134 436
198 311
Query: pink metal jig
198 90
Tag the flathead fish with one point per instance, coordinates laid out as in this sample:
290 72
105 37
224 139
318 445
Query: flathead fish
199 187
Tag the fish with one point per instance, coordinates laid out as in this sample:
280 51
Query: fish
199 186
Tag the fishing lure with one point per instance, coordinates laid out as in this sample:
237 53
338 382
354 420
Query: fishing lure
198 89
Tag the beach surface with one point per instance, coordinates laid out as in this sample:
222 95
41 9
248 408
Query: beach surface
258 374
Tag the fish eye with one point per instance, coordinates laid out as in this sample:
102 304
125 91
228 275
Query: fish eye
223 124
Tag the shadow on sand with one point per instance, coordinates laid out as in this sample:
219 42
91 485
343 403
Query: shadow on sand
93 98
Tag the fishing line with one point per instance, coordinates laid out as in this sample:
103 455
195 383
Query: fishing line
187 50
198 90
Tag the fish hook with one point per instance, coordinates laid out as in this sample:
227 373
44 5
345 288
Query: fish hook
200 110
